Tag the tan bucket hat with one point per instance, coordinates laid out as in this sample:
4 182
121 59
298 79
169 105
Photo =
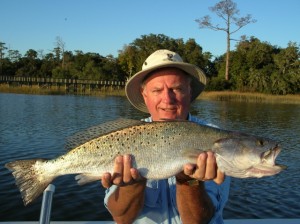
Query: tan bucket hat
161 59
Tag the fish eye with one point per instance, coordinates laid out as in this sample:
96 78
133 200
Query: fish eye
260 142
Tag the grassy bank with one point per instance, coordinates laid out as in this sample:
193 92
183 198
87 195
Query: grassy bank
219 96
4 88
250 97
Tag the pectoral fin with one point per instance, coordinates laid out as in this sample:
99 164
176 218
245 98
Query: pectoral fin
191 153
85 178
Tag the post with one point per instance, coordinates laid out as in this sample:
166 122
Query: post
46 204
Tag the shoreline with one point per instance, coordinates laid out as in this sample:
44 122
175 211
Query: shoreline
249 97
206 95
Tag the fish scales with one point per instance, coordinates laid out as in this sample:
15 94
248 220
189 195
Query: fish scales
148 143
158 149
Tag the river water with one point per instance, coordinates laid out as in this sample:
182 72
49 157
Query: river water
33 126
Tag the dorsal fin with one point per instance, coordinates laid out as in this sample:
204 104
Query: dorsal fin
93 132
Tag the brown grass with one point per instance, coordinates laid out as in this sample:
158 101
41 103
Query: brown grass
250 97
35 89
212 95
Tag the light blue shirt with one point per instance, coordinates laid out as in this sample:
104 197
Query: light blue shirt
160 197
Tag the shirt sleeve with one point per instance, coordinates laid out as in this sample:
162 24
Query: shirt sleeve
108 192
219 196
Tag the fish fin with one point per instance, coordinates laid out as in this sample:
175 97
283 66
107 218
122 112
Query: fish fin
98 130
191 153
30 181
85 178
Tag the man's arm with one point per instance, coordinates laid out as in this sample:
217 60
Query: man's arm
127 200
194 204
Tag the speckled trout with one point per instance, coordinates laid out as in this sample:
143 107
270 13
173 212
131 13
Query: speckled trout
158 149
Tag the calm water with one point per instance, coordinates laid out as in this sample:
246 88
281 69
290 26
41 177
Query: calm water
37 126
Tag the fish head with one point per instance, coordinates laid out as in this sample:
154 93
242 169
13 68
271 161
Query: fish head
245 156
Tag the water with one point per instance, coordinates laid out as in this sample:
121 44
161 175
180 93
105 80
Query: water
37 126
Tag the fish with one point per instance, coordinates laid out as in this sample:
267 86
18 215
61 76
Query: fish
159 150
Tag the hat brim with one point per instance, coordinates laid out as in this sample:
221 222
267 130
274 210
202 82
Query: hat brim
133 85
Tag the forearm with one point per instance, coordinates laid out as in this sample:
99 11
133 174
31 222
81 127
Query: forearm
126 202
193 203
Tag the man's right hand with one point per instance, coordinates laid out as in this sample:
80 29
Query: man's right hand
124 174
127 200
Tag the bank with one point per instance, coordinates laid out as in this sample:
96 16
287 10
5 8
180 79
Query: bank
206 95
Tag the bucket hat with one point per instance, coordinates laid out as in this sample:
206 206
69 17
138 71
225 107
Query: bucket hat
162 59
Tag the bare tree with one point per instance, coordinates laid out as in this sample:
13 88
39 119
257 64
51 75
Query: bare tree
227 11
60 46
2 49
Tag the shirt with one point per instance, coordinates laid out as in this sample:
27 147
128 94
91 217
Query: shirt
160 196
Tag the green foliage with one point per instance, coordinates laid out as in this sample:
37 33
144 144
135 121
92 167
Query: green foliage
218 84
260 67
255 66
133 55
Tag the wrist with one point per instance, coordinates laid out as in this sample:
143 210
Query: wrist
191 182
182 178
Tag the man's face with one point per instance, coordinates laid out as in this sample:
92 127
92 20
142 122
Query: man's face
167 94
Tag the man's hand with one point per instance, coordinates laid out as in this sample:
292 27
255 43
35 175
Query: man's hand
124 174
205 169
127 200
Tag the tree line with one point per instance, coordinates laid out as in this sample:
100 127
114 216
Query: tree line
255 66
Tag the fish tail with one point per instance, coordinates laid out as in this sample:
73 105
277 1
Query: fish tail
30 178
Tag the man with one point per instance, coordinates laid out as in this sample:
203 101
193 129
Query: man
165 88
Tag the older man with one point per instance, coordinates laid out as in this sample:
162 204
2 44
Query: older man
165 88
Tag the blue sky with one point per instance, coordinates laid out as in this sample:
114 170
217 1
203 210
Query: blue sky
105 26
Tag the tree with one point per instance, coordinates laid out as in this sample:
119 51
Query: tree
227 11
127 58
251 65
60 49
29 65
2 49
14 55
286 75
132 57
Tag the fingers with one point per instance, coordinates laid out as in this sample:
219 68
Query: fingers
205 169
201 171
211 166
117 176
123 174
106 180
220 177
127 178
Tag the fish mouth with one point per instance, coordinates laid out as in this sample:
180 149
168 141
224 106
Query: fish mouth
269 157
268 167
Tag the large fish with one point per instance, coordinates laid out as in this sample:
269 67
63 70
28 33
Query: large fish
159 151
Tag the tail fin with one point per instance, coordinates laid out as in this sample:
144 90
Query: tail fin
31 180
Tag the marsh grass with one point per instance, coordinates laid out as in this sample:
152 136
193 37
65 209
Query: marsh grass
37 90
250 97
218 96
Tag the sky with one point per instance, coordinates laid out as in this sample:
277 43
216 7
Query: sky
105 26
